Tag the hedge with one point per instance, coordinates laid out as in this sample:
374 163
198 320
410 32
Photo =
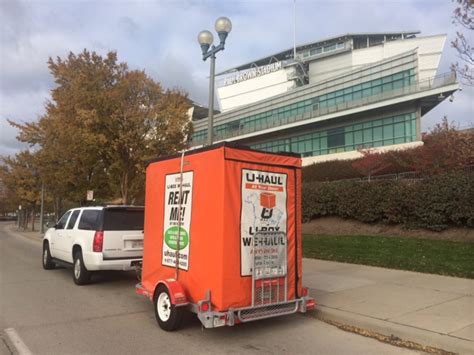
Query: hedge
435 203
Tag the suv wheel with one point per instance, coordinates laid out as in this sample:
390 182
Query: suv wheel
81 275
167 314
48 263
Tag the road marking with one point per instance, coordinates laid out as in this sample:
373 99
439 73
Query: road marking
19 345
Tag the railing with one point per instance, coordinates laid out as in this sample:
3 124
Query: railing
420 86
408 175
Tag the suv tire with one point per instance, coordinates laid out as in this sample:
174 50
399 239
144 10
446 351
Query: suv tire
168 316
48 263
80 274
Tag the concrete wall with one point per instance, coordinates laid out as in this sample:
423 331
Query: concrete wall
429 51
356 154
329 66
253 90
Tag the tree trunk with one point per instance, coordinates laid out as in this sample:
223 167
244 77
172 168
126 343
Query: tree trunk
33 213
26 216
124 187
57 207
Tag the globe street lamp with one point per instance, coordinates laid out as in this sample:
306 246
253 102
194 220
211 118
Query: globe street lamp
205 38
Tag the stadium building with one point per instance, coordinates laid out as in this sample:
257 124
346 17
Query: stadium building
334 97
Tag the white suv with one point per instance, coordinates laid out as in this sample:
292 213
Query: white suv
95 238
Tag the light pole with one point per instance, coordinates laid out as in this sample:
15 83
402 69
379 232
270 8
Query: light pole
205 38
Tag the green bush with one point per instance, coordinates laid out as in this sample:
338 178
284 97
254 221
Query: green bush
434 203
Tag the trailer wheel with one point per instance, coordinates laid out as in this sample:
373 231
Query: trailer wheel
48 263
168 316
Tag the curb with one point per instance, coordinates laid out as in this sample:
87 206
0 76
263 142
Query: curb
10 229
405 332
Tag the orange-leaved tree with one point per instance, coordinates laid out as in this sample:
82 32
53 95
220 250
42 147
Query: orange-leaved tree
370 164
102 124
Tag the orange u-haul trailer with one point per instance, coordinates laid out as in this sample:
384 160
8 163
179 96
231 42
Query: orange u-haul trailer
223 236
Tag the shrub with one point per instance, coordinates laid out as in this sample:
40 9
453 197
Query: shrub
445 150
434 203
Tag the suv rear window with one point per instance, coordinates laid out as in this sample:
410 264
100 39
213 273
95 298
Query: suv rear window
90 220
123 219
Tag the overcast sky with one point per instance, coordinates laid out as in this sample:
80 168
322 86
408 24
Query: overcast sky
160 37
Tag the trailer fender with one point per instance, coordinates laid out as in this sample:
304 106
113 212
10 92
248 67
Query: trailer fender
176 291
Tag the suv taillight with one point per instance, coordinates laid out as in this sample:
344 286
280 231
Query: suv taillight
98 241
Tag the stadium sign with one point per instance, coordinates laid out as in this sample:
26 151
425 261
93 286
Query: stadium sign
253 73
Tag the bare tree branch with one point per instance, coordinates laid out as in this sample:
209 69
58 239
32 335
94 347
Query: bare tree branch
463 15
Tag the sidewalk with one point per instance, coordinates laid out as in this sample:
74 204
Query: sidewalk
28 234
427 309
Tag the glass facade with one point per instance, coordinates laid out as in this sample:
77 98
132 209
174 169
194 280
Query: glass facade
325 49
375 133
285 114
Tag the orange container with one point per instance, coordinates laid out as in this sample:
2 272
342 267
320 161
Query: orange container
227 195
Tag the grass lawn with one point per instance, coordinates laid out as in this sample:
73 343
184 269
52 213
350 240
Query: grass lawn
422 255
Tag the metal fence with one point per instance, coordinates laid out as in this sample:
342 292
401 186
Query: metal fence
408 175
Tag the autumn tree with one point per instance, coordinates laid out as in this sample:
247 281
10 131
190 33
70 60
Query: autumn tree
445 149
463 16
370 164
103 122
19 174
8 199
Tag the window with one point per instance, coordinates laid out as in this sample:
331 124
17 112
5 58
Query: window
62 221
336 137
377 134
366 92
73 219
349 139
330 47
123 219
358 137
398 84
315 51
399 129
300 147
290 112
376 90
368 135
90 220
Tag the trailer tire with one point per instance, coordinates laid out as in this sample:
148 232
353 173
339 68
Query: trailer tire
167 315
80 274
48 263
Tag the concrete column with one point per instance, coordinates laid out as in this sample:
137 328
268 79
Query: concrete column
418 121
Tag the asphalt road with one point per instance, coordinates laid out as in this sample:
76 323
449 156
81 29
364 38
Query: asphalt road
51 315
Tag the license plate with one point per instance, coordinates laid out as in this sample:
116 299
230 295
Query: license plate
219 321
136 244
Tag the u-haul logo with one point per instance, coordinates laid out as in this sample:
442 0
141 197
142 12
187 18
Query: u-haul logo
264 178
263 209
